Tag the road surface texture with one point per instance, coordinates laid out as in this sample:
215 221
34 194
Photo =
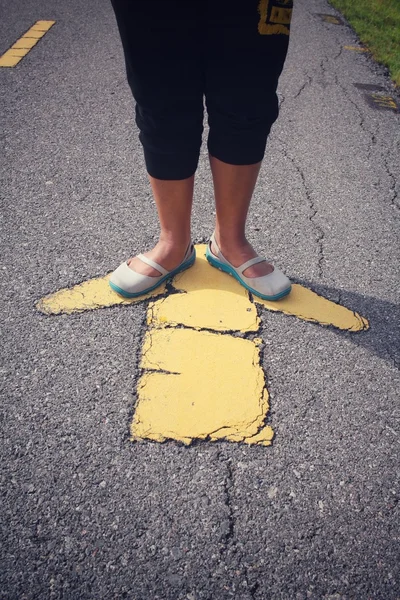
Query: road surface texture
89 514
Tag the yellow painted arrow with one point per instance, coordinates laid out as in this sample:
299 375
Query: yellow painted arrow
201 379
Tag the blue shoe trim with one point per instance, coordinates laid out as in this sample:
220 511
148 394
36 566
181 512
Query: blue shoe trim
182 267
227 269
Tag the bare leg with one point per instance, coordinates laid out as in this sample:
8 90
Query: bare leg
174 205
233 189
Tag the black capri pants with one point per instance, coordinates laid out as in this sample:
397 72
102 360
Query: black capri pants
179 51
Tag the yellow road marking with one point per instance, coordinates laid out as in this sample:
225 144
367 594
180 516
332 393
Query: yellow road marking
301 303
210 301
89 295
199 384
356 48
281 15
331 19
384 101
25 43
278 21
308 306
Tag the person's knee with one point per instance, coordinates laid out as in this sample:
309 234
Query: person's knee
171 141
166 131
240 136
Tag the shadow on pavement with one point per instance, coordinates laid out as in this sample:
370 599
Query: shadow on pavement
383 336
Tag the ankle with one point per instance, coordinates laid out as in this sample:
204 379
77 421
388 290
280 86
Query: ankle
176 242
231 241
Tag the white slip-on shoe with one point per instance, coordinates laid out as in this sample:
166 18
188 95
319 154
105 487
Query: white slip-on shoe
273 286
130 284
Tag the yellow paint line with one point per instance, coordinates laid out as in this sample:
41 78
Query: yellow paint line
89 295
385 101
33 35
308 306
24 43
359 49
18 52
41 26
211 300
12 57
200 385
9 60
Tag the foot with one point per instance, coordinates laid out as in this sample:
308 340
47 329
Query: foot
237 253
166 254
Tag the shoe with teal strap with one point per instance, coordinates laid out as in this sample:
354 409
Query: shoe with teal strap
273 286
130 284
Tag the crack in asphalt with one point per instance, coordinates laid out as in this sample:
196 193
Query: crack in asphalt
371 133
158 369
374 142
228 534
229 539
307 83
244 335
361 116
318 231
392 188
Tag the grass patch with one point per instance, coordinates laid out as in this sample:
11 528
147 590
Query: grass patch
377 24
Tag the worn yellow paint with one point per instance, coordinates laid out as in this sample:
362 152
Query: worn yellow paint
359 49
384 101
210 301
331 19
196 383
89 295
278 21
200 385
308 306
211 291
263 438
12 57
281 15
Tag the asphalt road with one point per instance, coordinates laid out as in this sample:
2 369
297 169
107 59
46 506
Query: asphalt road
85 512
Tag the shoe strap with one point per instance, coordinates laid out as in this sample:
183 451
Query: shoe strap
189 252
213 242
241 268
250 263
153 264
